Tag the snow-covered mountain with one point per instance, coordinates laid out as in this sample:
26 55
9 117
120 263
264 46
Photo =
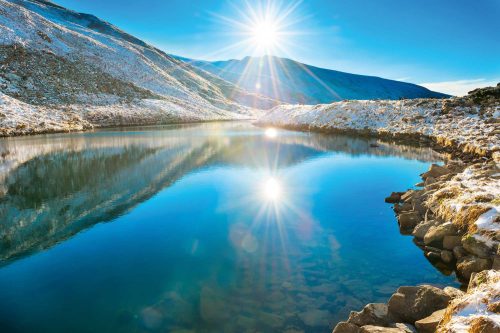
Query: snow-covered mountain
50 55
293 82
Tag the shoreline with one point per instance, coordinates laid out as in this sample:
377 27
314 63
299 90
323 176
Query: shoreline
454 219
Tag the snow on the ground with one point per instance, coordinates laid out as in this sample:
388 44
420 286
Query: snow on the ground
477 308
182 95
462 124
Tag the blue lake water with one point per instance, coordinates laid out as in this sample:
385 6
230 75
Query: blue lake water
221 227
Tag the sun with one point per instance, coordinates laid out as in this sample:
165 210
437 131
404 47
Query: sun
265 34
263 27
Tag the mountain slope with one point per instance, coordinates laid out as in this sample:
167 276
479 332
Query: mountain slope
297 83
53 56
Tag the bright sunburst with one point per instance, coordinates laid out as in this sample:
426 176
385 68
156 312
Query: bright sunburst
265 26
272 189
265 34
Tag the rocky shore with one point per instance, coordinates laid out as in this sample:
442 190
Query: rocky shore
453 214
427 309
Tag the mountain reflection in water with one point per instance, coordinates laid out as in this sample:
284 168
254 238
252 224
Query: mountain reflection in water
280 269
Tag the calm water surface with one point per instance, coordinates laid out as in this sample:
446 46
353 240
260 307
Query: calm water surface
221 227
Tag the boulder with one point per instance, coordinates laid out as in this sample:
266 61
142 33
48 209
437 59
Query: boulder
459 252
436 234
475 246
408 221
372 314
435 171
404 207
410 304
471 264
433 257
345 327
395 197
447 256
483 325
379 329
450 241
430 323
453 292
422 228
496 262
408 195
429 180
405 327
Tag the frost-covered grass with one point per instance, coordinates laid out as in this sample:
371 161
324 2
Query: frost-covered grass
477 308
467 125
128 79
471 200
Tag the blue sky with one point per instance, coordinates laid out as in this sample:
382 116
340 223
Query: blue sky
449 45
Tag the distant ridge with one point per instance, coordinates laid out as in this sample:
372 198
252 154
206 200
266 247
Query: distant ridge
293 82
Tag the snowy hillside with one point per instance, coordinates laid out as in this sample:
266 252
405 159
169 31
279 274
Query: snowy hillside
51 56
297 83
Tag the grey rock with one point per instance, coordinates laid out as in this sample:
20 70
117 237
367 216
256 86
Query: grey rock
379 329
395 197
345 327
408 221
372 314
459 252
447 256
476 247
430 323
405 327
450 241
435 171
496 262
453 292
436 234
422 228
410 304
471 264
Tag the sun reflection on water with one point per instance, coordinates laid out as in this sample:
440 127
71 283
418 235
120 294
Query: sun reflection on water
272 189
271 132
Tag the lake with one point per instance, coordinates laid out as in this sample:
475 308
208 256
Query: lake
216 227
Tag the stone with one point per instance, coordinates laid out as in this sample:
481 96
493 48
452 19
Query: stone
459 252
429 180
405 327
496 262
435 171
472 245
404 207
422 228
379 329
407 195
447 256
436 234
395 197
483 325
345 327
408 221
430 323
372 314
471 264
433 257
410 304
450 241
453 292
